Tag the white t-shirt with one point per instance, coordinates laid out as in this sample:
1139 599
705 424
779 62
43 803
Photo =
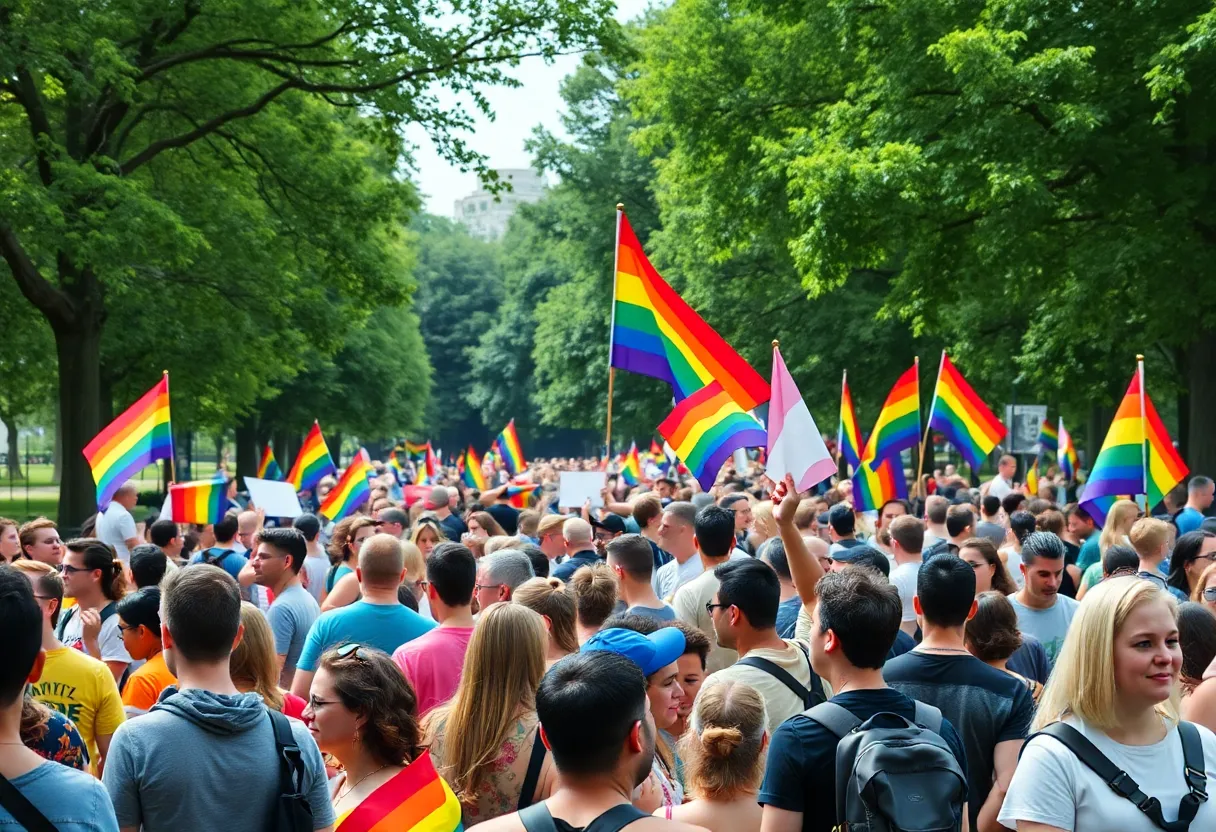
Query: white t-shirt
316 566
780 703
1000 487
116 526
1051 786
109 639
673 575
904 579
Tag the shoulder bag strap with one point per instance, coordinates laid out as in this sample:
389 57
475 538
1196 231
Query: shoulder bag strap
63 622
291 763
616 818
532 777
927 716
817 693
836 718
781 675
536 818
24 812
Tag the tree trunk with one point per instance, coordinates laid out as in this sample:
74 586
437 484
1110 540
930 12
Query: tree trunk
246 449
1201 427
219 451
78 348
14 450
335 449
57 462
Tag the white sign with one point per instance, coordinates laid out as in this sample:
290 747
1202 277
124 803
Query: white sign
278 499
1023 421
577 487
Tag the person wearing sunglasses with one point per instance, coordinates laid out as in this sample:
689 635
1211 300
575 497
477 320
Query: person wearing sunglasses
1193 553
139 623
1205 588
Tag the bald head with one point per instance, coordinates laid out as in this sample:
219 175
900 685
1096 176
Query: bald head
126 495
817 546
577 534
381 561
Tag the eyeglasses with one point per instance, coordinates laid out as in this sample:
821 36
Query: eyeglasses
65 569
124 628
710 606
480 587
1209 594
1209 557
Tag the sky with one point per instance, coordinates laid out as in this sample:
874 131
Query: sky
517 111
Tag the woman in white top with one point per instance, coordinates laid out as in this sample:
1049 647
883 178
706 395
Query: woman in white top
1115 682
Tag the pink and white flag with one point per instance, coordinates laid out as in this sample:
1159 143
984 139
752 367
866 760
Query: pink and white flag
795 445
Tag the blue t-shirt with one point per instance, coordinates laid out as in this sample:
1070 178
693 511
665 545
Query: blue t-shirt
291 616
787 616
1188 520
903 643
232 562
800 775
663 613
1090 553
1030 660
73 801
565 570
383 626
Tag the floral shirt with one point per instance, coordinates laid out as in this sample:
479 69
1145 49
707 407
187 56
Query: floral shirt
51 735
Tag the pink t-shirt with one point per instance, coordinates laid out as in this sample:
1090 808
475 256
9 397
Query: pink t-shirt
433 663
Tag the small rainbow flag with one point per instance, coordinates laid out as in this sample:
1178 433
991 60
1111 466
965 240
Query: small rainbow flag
509 450
1049 438
1066 453
352 489
139 437
631 465
520 492
848 435
202 502
898 425
416 450
1137 434
425 466
873 488
962 417
397 468
472 475
655 333
706 428
312 462
268 468
415 800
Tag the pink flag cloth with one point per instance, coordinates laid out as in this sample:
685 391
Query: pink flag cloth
795 445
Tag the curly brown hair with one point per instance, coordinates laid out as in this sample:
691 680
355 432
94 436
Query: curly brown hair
339 549
371 686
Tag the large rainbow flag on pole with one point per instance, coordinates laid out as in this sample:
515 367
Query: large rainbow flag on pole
898 425
312 462
509 450
655 333
1137 457
1066 453
268 468
472 475
203 501
961 416
140 436
415 800
872 488
706 428
352 489
848 435
1049 437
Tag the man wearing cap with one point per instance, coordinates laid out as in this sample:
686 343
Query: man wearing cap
606 530
841 528
577 533
392 521
438 501
550 540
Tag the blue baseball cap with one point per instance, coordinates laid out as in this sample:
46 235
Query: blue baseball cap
652 653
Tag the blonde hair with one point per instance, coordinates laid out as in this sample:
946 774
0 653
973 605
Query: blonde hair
1147 535
1119 522
425 525
548 597
1197 592
763 521
1083 681
503 667
415 563
501 541
594 590
723 750
253 666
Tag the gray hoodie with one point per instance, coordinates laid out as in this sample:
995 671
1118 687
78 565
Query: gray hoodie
206 762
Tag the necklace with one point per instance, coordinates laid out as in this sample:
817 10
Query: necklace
944 649
360 780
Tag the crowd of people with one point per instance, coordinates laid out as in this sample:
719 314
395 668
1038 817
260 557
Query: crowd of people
749 658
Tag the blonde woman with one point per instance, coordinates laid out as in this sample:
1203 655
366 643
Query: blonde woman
486 742
1205 588
427 534
1115 685
764 527
548 597
723 753
254 666
1122 516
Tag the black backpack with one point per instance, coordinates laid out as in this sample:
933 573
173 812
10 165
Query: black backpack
893 775
536 818
810 696
215 560
106 612
291 812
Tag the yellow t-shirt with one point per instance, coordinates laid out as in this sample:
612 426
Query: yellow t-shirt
144 686
82 689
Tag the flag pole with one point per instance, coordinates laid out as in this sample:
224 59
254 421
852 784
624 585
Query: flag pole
844 383
616 257
1143 433
920 467
172 450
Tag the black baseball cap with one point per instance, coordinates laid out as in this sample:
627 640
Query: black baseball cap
612 523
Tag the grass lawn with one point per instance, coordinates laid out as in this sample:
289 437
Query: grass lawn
40 477
39 506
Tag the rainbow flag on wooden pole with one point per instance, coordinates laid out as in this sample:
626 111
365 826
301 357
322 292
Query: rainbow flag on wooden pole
1066 453
352 489
140 436
472 475
960 415
848 435
312 462
898 425
510 451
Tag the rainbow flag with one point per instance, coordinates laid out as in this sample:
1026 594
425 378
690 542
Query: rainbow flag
1049 438
139 437
706 428
848 436
655 333
397 468
312 462
472 475
898 425
425 466
509 450
1032 478
1136 434
962 417
203 502
873 488
1066 453
631 467
268 468
416 450
415 800
518 493
352 489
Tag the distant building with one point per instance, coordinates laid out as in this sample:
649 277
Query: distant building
487 217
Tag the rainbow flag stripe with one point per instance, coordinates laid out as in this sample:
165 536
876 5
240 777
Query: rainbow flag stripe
268 468
416 450
848 438
657 334
312 462
898 425
416 800
631 468
873 488
1032 478
1049 437
706 428
352 489
204 501
425 466
509 450
139 437
519 493
962 417
472 475
1066 453
397 468
1119 466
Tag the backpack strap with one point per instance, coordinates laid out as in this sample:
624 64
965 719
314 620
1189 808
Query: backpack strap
927 716
817 693
63 621
108 610
836 718
291 761
1122 783
536 818
25 813
535 763
781 675
616 818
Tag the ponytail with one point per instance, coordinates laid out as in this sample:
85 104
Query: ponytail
101 556
116 587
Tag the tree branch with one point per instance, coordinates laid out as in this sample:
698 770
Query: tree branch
36 288
27 93
224 49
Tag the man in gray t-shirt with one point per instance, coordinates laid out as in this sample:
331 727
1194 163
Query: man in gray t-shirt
277 561
1042 611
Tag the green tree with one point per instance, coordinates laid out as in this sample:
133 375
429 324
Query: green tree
27 368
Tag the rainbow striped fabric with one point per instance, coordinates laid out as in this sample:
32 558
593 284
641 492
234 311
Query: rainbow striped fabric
139 437
519 493
1136 433
416 450
509 450
472 475
1049 437
352 489
848 436
631 465
415 800
425 466
312 462
655 333
268 468
873 488
1066 453
898 425
706 428
397 468
203 501
962 417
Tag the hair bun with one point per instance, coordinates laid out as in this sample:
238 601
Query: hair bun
721 742
555 583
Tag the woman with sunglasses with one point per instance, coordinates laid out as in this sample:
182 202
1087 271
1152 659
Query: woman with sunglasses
348 536
1205 589
362 712
990 571
1193 553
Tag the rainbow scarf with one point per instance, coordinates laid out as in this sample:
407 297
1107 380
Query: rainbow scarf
415 800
